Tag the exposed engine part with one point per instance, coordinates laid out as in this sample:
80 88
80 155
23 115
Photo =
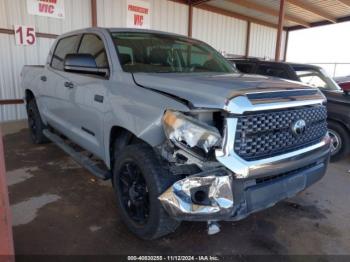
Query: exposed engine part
182 162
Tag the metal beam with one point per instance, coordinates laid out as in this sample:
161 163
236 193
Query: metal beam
312 9
321 23
190 20
198 2
286 46
93 13
267 10
38 34
11 101
345 2
280 29
247 43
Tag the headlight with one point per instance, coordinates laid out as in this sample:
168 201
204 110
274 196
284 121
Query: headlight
189 131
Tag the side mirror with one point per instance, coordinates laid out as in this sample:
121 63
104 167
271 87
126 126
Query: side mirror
84 64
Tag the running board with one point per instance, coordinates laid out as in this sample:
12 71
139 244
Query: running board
78 157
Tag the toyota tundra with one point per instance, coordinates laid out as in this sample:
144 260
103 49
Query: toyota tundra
181 134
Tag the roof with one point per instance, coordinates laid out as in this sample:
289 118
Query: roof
298 13
122 29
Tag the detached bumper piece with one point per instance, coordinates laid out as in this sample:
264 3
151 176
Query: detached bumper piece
200 197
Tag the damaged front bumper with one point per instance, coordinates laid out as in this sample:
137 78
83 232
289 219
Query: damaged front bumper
208 194
218 195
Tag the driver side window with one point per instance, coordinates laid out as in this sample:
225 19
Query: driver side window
64 46
93 45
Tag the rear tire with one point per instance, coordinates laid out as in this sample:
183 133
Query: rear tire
340 141
36 125
138 179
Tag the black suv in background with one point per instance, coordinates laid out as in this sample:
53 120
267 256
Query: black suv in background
338 104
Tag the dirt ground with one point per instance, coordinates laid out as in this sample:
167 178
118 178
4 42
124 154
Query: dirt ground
59 208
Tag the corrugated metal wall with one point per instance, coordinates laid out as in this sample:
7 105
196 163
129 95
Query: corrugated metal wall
77 15
166 15
262 41
13 58
170 16
222 32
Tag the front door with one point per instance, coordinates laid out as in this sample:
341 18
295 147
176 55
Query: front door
88 97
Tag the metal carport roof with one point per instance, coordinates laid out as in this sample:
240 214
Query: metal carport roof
281 14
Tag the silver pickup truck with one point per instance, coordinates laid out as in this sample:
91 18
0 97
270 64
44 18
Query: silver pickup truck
181 134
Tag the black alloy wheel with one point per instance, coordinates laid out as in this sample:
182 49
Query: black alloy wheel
134 193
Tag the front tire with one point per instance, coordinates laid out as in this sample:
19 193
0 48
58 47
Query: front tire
36 125
138 179
340 141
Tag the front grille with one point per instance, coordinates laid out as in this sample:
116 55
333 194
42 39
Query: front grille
269 134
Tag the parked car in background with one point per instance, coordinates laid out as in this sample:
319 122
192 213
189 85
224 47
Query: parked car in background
342 79
344 83
180 132
338 104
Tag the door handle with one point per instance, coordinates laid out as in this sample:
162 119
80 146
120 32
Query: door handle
69 85
43 78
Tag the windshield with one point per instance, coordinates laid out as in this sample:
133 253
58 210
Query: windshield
157 53
316 77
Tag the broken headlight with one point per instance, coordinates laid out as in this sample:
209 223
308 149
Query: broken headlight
190 132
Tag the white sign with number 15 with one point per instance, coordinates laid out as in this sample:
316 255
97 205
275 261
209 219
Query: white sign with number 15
25 35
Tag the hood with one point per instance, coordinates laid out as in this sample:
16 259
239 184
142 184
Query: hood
211 90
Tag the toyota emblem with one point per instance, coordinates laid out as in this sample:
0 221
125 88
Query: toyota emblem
298 127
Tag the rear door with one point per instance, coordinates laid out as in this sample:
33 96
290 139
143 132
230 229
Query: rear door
55 92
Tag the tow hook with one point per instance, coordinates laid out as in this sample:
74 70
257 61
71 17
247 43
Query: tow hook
213 227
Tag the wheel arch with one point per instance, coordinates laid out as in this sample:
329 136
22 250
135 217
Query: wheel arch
335 121
29 95
125 137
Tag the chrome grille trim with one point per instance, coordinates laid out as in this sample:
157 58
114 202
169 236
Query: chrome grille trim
261 135
241 104
273 165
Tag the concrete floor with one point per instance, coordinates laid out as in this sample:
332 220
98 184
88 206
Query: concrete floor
59 208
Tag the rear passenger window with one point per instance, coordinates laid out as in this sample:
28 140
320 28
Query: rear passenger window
272 71
93 45
65 46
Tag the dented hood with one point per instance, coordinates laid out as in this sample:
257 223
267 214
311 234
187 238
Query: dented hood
211 90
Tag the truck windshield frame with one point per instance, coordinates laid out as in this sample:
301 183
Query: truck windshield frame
141 52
